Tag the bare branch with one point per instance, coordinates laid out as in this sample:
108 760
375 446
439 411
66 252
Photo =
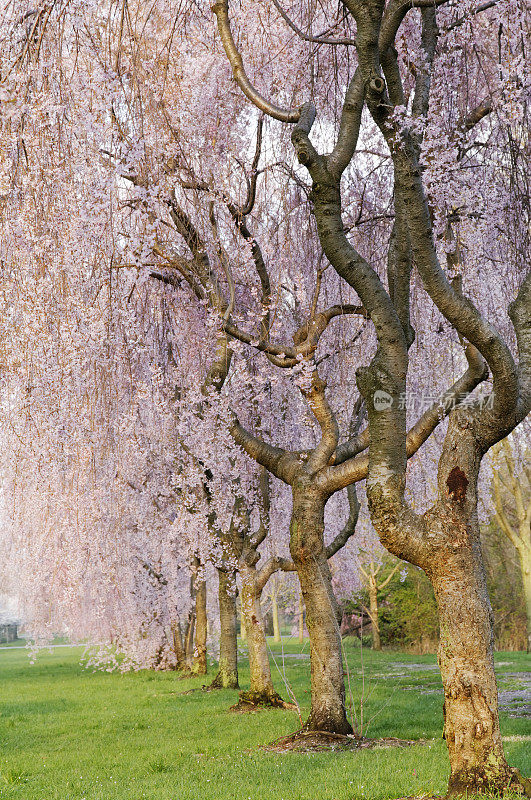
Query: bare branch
390 576
281 463
264 509
324 415
424 427
270 567
476 115
221 10
349 128
478 10
520 315
320 38
251 193
349 528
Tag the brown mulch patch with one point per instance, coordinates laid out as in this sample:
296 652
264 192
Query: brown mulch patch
203 688
317 741
246 707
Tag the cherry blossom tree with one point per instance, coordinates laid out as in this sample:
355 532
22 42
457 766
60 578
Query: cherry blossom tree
218 247
400 108
419 137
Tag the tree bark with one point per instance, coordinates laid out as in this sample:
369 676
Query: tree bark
178 647
261 690
471 726
227 675
373 608
199 665
327 711
456 570
189 639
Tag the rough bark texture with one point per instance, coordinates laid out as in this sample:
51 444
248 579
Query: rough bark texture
301 619
456 570
227 676
471 725
307 549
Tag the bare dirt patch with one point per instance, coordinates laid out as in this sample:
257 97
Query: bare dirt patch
247 707
318 741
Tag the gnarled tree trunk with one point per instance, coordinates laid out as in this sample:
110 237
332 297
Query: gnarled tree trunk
456 571
471 726
327 711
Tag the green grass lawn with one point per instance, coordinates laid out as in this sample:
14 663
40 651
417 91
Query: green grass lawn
71 734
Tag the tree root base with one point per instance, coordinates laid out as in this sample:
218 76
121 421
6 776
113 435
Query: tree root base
515 785
184 673
220 683
254 701
305 741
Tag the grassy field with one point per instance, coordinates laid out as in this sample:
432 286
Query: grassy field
71 734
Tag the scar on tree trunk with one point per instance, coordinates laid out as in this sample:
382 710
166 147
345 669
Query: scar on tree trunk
471 720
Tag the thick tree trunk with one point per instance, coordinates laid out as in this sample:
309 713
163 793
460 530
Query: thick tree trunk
308 552
199 665
373 608
227 675
471 725
261 690
456 570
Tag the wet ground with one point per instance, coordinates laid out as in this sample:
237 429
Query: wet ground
514 688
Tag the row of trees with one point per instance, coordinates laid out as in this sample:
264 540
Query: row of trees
245 271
